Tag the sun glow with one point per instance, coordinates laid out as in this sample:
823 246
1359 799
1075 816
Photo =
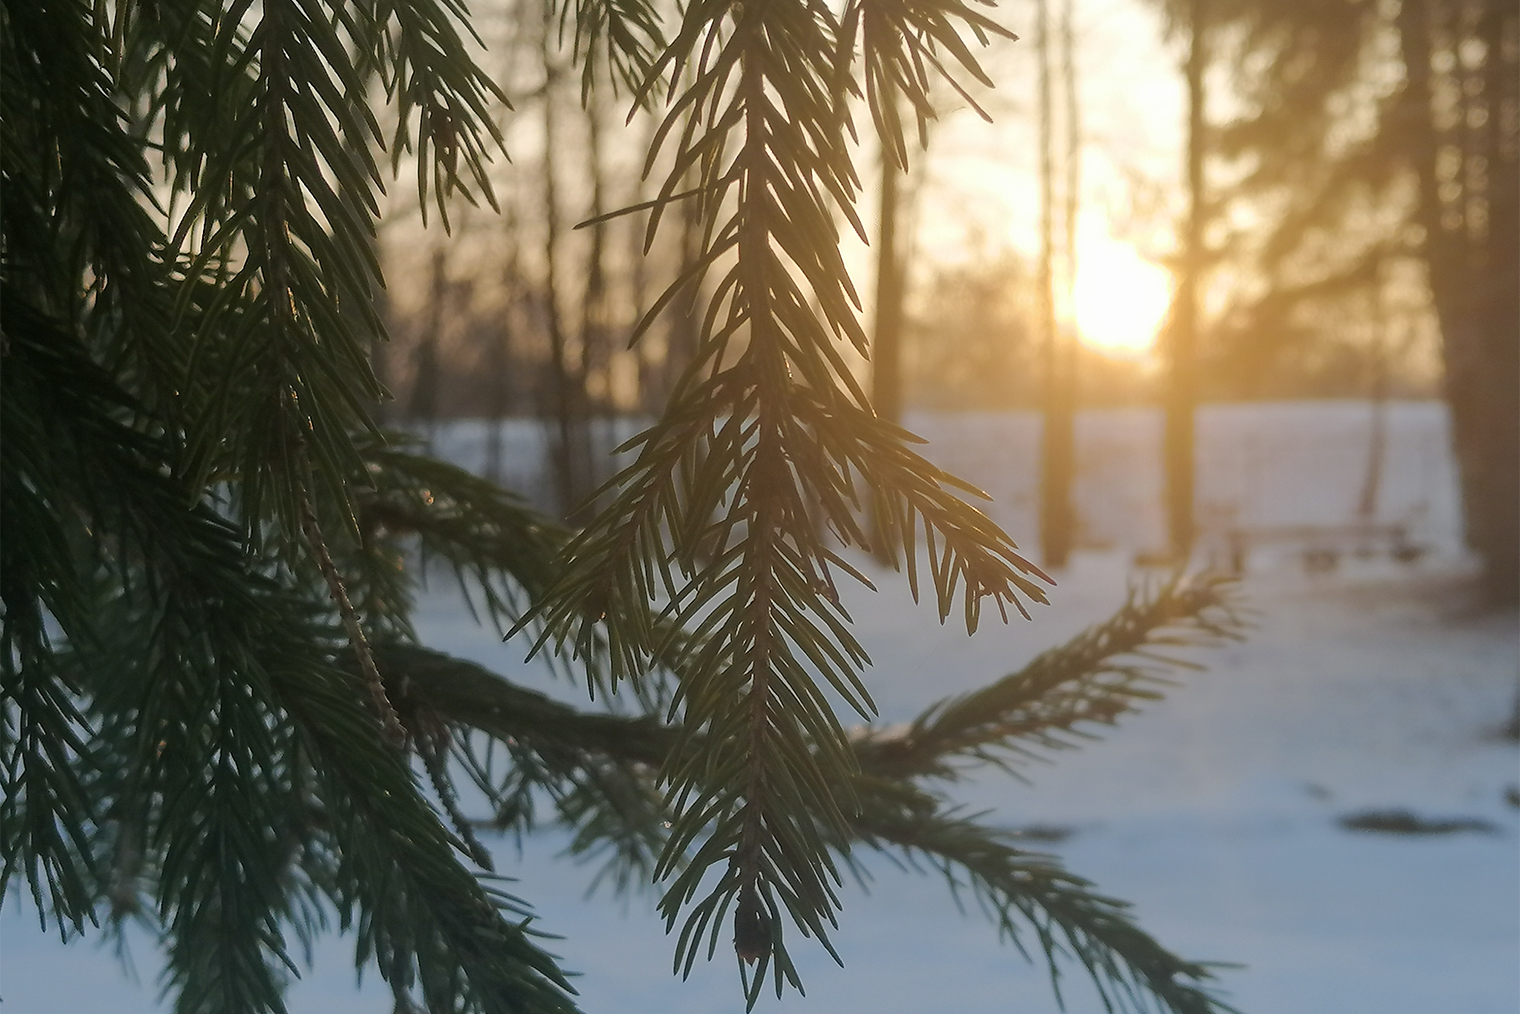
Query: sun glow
1120 299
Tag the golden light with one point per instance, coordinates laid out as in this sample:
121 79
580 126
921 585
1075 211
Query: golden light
1120 298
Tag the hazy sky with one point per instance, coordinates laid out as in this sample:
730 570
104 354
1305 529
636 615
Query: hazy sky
980 190
983 177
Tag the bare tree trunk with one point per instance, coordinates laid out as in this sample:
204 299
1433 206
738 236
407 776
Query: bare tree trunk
1469 208
1073 161
500 349
596 355
886 336
1182 336
1372 478
423 405
1500 30
686 325
1068 379
568 374
1056 441
650 383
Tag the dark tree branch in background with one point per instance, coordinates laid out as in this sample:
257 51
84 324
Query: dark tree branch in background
1070 358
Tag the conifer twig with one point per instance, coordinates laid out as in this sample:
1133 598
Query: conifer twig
390 725
431 746
1069 920
1100 674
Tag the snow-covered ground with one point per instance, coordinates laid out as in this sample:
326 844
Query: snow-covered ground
1373 686
1267 463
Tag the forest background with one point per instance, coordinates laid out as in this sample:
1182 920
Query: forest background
1280 169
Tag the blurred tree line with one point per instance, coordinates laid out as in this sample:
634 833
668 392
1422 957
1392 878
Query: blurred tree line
529 312
478 319
1355 237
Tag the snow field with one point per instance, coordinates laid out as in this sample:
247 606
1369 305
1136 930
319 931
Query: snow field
1375 686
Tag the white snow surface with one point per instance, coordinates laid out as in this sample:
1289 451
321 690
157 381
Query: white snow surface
1258 464
1375 686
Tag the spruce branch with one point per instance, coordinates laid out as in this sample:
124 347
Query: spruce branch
1094 678
191 661
598 768
902 46
390 726
465 694
615 40
503 555
443 99
432 747
1024 892
715 516
208 716
424 917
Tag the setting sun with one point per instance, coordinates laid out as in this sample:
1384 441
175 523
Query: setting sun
1120 298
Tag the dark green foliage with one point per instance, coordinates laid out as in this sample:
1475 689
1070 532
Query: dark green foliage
214 712
601 772
766 434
